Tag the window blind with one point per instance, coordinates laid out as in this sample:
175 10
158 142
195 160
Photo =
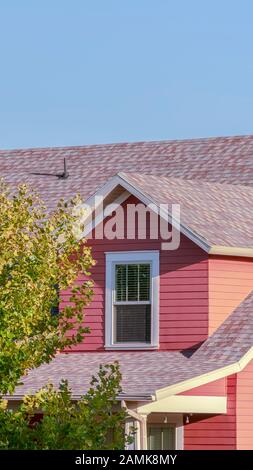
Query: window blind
132 282
132 303
133 323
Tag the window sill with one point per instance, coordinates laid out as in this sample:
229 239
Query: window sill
128 347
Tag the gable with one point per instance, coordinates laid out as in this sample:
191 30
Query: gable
183 321
216 217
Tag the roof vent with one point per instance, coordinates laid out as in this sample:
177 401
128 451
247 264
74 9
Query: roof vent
65 173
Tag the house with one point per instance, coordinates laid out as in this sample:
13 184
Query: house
177 312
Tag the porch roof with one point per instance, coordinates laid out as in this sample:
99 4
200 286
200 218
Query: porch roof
143 372
156 374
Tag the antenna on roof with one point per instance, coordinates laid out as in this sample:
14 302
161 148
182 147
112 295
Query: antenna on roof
65 173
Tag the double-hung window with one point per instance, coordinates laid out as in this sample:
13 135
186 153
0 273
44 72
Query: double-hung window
132 297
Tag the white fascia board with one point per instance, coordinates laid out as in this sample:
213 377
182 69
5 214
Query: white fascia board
206 378
186 404
93 223
244 252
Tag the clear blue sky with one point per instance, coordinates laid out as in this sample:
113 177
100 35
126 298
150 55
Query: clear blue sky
93 71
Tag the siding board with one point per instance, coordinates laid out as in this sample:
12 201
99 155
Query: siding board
214 432
230 281
244 408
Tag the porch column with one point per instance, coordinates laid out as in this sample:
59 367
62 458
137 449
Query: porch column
143 432
142 420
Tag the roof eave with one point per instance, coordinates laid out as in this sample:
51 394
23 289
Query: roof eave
75 397
215 374
231 251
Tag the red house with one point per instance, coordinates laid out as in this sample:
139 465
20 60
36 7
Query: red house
173 294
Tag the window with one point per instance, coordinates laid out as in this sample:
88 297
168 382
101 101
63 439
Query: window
132 297
161 437
132 303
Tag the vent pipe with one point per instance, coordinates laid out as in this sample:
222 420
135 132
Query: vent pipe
65 173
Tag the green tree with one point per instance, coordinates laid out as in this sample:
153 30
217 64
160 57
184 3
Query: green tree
39 250
92 423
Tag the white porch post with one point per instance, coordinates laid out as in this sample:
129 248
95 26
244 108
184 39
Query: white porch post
143 432
142 438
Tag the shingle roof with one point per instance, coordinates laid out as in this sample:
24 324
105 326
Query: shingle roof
142 372
221 214
217 206
220 161
233 339
223 160
146 372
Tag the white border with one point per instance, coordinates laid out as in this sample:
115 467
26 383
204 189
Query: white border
106 213
127 257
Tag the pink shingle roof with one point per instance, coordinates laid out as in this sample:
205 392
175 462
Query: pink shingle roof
146 372
216 205
223 160
212 179
233 338
221 214
142 372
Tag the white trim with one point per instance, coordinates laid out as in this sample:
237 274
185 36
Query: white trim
180 433
186 404
130 347
137 252
127 257
131 423
138 436
231 251
208 377
106 212
102 191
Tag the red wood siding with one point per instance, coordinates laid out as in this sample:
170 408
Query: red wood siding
215 432
183 292
217 388
230 281
244 408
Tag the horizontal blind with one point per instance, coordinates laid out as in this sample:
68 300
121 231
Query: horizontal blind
133 323
132 282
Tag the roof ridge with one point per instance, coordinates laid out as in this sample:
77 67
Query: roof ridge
186 180
126 143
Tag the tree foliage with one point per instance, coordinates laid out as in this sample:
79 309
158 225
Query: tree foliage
92 423
39 250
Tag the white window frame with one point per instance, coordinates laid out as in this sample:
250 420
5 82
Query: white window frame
137 257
